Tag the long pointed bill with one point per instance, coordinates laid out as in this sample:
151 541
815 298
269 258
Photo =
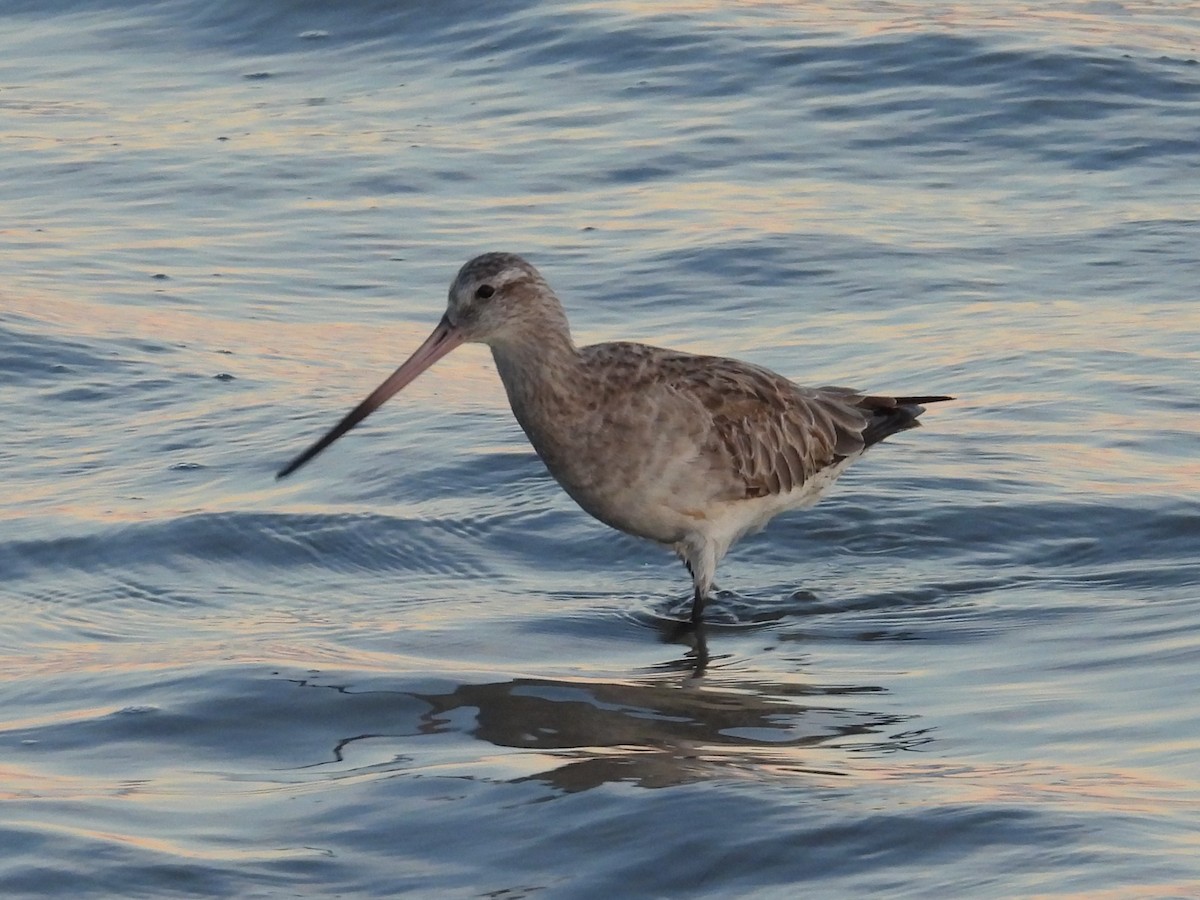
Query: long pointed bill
444 339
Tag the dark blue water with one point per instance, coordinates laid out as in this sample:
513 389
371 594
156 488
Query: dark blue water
416 668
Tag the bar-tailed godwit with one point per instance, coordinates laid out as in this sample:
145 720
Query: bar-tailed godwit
690 451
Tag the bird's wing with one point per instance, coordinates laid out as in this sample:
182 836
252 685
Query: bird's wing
759 433
771 434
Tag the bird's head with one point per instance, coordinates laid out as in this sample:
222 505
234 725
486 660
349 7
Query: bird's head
496 298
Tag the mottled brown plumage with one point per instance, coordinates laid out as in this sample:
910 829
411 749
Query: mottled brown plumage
689 451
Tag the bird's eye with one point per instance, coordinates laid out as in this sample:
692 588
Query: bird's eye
484 291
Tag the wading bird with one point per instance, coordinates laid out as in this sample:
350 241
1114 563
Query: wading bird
690 451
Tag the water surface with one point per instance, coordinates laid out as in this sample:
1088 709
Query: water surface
416 667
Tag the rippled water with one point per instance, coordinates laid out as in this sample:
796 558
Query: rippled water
416 667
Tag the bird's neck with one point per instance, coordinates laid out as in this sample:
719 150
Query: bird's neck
543 376
536 358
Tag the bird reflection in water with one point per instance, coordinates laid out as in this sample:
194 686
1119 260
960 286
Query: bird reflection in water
653 732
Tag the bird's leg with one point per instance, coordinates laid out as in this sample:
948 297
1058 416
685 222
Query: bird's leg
700 556
697 607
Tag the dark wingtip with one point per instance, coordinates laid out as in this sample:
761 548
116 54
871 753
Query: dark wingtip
918 401
885 421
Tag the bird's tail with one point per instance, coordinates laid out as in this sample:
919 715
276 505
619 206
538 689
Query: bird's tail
900 414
